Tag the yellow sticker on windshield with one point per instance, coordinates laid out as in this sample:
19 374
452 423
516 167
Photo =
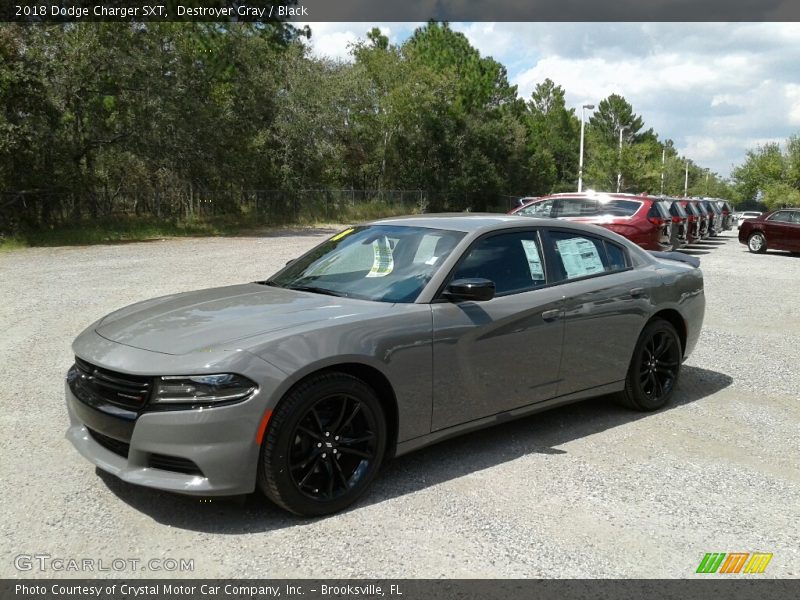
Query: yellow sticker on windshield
339 236
383 262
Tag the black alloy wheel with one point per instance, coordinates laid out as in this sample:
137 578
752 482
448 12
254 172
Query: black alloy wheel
324 445
654 369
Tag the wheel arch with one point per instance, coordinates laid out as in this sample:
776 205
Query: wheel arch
373 377
674 318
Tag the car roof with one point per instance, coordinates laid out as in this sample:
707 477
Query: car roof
593 195
475 222
465 222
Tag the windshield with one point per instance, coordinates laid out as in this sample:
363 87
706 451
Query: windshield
386 263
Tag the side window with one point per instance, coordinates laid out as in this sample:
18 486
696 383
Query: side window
781 217
796 217
537 209
575 207
616 257
580 255
512 260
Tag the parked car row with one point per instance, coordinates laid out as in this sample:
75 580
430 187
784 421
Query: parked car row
776 230
659 223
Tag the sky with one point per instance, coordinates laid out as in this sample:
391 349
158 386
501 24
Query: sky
715 89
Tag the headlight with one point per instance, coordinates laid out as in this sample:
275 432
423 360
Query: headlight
202 389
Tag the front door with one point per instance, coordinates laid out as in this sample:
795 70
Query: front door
494 356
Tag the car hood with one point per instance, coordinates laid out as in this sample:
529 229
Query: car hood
224 317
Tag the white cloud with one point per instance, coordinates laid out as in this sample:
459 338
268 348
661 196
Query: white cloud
334 40
714 88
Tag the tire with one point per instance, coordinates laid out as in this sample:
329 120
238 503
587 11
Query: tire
306 466
655 369
757 243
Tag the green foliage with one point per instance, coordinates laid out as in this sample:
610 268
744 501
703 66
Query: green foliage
115 131
763 166
553 139
780 195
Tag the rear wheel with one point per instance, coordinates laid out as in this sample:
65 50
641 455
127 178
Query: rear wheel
757 243
654 369
324 445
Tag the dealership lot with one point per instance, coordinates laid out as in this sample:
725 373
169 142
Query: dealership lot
589 490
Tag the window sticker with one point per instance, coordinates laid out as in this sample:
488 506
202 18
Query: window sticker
580 257
383 262
339 236
534 261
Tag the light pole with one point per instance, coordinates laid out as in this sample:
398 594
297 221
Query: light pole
580 160
619 172
686 181
706 181
663 166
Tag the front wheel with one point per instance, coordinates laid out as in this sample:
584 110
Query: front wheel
757 243
324 445
654 369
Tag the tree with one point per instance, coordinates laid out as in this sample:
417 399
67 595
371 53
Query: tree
612 114
763 166
554 138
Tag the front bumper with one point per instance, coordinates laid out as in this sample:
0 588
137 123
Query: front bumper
220 441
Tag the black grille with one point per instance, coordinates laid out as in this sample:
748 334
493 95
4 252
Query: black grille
95 383
174 463
116 446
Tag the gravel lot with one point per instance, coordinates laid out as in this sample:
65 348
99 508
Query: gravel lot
589 490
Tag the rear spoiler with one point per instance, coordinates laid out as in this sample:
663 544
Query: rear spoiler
678 257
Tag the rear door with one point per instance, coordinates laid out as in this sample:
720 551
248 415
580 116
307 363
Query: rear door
606 305
778 229
490 357
793 234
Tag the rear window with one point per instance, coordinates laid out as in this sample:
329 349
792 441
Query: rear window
660 209
676 210
691 208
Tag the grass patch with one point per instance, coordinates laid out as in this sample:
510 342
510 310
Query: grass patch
136 229
120 229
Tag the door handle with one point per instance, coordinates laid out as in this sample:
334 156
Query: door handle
551 315
637 292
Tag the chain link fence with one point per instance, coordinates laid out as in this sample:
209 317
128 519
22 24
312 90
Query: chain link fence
36 209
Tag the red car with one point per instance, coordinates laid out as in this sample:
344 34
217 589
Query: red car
777 230
698 222
644 220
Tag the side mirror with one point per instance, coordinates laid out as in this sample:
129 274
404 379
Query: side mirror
477 290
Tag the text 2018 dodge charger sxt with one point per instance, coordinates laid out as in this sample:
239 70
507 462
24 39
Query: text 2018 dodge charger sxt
385 338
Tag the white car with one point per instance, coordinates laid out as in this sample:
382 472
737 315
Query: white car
748 214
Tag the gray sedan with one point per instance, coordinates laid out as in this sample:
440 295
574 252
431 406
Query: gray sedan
385 338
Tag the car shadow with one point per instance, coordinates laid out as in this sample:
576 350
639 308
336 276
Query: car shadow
784 253
538 434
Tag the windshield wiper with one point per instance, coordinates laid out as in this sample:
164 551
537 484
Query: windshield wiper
269 282
315 290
